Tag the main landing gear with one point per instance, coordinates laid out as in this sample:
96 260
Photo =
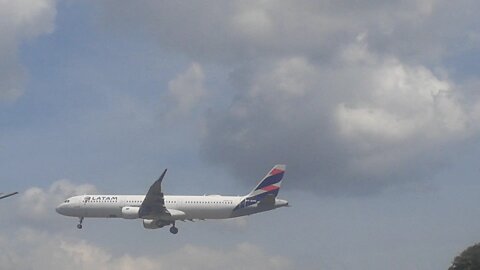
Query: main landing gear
79 226
173 229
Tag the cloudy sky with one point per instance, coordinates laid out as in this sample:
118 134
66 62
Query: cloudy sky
374 106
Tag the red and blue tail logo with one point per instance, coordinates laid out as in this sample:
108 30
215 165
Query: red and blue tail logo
271 183
269 186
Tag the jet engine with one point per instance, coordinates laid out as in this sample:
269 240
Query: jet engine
154 223
130 212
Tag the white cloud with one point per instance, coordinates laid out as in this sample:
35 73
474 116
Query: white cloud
39 204
403 110
19 21
33 249
187 90
399 102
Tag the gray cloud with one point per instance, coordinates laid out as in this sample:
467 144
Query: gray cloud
353 98
363 124
236 32
367 123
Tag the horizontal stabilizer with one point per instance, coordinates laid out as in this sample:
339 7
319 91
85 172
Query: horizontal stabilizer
269 200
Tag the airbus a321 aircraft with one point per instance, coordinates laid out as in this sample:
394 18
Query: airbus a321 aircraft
158 210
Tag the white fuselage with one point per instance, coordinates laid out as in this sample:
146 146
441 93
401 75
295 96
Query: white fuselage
157 210
194 207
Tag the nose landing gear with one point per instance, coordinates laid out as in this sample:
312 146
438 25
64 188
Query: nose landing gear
79 226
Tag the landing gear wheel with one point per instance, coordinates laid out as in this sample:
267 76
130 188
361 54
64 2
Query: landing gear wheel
174 230
79 226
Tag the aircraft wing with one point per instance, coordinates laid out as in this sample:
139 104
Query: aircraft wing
7 195
153 206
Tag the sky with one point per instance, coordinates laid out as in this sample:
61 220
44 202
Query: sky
373 105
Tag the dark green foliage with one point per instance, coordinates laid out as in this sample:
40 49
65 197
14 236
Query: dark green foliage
468 260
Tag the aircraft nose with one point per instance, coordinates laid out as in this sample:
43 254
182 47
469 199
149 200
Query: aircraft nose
60 209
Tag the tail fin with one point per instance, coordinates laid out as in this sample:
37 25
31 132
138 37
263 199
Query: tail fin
266 191
270 184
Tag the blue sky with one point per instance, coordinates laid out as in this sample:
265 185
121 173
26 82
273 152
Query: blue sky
374 109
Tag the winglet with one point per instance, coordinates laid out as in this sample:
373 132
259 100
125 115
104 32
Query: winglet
160 179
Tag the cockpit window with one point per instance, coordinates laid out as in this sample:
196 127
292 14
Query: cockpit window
66 201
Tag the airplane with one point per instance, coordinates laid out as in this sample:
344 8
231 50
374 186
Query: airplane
7 195
158 210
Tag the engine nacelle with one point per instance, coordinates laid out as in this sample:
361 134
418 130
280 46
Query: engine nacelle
130 212
154 223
